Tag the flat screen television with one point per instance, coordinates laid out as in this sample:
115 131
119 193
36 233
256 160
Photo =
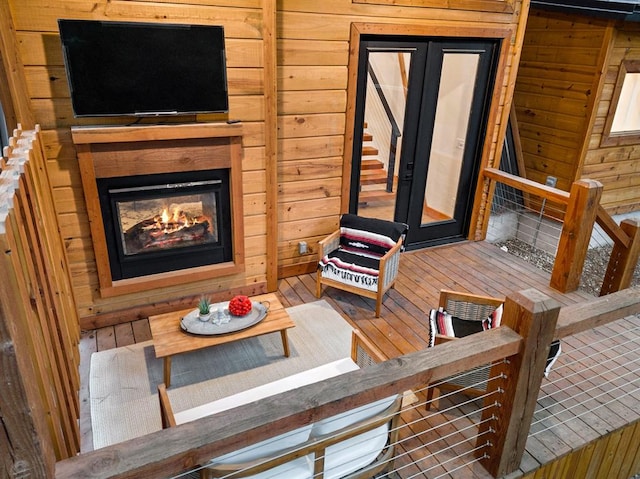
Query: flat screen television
144 69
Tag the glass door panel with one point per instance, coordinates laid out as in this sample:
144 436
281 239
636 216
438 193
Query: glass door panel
420 118
384 111
452 115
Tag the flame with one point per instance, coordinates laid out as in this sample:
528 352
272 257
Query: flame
165 216
176 215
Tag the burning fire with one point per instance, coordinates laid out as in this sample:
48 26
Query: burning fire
173 226
174 222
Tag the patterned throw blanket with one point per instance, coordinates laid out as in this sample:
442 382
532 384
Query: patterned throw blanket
363 241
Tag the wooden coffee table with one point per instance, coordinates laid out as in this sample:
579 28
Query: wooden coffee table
169 339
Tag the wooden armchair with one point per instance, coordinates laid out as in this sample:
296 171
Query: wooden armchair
470 313
361 257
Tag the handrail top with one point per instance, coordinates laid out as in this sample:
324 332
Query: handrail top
580 317
527 186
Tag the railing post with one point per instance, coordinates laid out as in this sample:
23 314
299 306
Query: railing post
623 260
533 316
576 233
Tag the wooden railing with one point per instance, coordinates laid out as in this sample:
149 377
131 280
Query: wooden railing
39 332
535 316
582 211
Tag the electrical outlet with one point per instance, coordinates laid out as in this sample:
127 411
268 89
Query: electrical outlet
302 247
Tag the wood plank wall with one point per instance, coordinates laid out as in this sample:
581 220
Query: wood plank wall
616 167
310 114
556 90
314 48
40 50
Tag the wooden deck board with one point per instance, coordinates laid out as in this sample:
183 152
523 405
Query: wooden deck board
481 268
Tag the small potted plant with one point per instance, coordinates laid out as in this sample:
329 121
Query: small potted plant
204 310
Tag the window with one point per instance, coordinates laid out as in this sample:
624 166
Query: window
622 126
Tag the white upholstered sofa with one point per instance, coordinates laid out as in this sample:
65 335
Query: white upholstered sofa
358 443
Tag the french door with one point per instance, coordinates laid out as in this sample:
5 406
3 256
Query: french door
421 113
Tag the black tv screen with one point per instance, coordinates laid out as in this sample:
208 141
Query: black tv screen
144 69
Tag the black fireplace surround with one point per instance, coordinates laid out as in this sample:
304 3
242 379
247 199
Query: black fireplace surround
166 222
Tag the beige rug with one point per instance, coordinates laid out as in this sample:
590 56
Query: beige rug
122 381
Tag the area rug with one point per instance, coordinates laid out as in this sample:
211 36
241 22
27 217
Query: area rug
123 381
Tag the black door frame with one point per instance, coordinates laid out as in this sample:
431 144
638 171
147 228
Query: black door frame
501 37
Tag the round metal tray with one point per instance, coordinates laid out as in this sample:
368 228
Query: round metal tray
190 323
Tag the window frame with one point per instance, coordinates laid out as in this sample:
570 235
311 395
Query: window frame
623 137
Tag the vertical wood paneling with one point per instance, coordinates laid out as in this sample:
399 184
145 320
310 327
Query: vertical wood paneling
288 82
616 167
555 91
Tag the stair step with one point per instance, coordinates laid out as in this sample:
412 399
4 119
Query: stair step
367 136
375 196
369 151
373 177
371 164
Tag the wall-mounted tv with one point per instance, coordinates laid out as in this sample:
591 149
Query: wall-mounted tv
144 69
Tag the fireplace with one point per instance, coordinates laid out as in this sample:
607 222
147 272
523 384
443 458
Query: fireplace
164 203
166 222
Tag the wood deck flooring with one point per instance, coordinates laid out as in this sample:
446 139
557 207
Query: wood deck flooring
476 267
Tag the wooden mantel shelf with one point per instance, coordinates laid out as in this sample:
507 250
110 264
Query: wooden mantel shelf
110 151
115 134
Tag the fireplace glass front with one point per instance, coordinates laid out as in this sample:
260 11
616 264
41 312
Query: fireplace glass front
166 222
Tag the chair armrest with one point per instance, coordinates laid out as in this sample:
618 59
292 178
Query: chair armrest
448 295
390 264
363 352
442 339
166 411
328 244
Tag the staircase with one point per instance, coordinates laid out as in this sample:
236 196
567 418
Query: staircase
373 175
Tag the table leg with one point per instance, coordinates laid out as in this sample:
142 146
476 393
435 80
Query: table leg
167 371
285 342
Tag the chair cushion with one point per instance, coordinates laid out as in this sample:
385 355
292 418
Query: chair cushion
495 318
350 268
371 236
441 322
554 352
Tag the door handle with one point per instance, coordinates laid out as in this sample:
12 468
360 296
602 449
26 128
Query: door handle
408 172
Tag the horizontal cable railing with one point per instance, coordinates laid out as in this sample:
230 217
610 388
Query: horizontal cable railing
447 442
171 451
564 233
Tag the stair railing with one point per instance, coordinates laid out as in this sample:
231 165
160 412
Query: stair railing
395 129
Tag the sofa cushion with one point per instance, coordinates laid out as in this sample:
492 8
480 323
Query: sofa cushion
300 468
351 417
288 383
266 448
354 453
297 469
